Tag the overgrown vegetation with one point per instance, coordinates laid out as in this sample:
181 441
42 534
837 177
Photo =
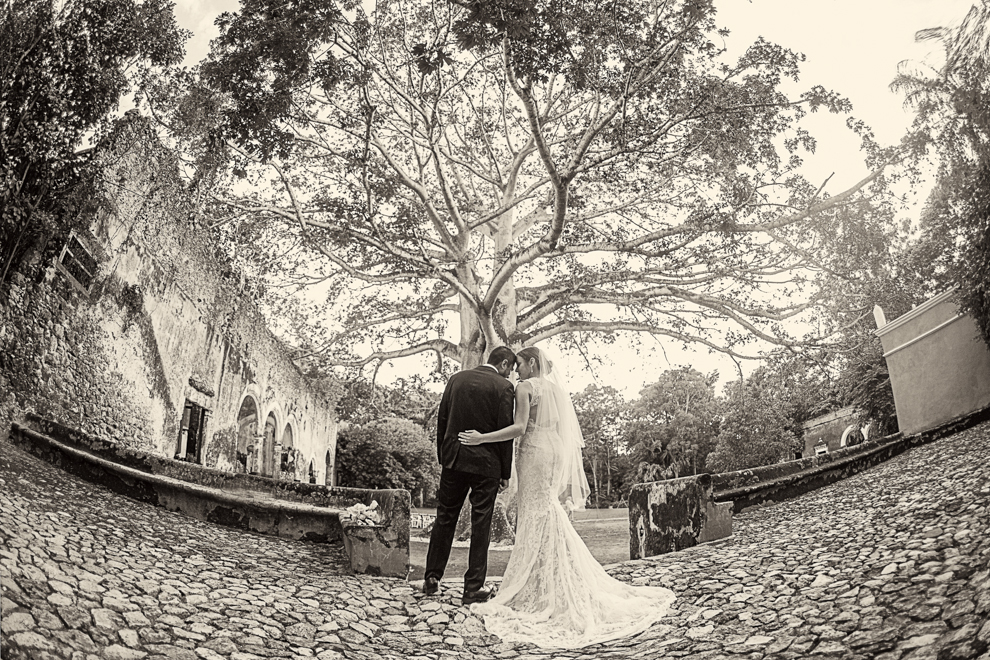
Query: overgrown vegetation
64 67
952 128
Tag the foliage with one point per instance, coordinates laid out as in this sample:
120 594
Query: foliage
672 426
63 68
387 453
763 415
580 170
364 401
910 275
600 411
952 124
800 385
754 432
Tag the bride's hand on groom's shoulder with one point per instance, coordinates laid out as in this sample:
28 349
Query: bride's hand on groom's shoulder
470 438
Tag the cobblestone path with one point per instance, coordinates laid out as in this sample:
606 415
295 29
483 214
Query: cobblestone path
890 564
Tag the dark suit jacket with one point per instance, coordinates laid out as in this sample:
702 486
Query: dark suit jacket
482 400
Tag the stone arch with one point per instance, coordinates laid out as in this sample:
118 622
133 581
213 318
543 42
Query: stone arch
851 437
312 471
328 473
248 416
287 454
266 455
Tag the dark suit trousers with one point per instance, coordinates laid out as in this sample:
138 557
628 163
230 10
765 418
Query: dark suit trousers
454 487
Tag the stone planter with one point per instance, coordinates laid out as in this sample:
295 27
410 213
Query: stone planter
375 550
666 516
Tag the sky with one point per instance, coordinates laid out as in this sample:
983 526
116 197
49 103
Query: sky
852 47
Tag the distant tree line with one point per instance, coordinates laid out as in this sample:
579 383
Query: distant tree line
680 426
64 67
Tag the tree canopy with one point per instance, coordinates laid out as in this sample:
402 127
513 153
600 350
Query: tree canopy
673 425
763 415
576 171
601 414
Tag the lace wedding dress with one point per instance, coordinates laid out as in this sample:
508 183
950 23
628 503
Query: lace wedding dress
554 592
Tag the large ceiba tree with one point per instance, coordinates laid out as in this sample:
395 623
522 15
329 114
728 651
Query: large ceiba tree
531 170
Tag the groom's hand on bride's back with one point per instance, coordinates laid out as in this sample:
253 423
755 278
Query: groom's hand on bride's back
470 438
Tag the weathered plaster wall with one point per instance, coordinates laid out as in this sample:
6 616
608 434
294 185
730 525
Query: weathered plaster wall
939 365
54 360
164 323
671 515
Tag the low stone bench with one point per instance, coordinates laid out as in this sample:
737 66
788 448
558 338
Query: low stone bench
290 510
671 515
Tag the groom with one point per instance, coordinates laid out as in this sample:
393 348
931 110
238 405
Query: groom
480 399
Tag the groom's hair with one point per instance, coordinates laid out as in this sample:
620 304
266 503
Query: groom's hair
501 353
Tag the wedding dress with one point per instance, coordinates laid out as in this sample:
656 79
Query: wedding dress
554 592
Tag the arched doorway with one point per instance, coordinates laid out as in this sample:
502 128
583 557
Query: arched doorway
851 437
287 461
268 446
328 480
247 435
312 472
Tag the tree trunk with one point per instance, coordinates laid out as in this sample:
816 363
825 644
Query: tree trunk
474 349
608 472
505 310
594 475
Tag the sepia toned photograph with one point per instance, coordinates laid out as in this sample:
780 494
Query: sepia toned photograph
494 329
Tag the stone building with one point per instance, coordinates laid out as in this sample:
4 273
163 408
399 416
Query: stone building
136 331
833 431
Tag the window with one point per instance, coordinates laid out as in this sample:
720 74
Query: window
77 262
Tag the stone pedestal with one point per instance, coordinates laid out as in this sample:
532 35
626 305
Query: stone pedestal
719 522
665 516
375 550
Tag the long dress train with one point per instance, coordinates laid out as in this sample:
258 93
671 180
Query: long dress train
554 592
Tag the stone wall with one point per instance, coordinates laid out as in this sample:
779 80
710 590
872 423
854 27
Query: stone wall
831 432
165 333
298 511
775 483
667 516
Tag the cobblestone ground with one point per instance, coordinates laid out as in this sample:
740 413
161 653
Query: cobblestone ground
890 564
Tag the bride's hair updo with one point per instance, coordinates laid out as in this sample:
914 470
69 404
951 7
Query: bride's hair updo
533 353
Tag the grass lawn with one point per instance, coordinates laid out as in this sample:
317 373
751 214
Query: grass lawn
605 531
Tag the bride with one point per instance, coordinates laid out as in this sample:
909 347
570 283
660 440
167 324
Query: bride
554 592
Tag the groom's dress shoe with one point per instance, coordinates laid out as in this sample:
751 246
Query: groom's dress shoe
479 596
430 586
